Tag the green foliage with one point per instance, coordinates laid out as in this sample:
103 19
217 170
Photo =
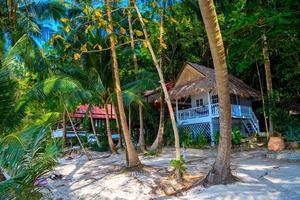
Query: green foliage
26 156
102 136
179 165
236 136
150 153
217 137
201 140
185 137
292 134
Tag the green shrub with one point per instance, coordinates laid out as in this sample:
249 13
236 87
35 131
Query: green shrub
217 137
236 136
185 137
292 134
179 164
201 140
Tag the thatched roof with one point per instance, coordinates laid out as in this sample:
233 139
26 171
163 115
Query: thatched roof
188 83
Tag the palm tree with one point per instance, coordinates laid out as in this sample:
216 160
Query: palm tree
132 156
157 144
135 63
164 88
220 172
267 64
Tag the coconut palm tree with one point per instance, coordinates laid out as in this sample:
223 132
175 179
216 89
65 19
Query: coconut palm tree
220 172
132 156
157 144
164 88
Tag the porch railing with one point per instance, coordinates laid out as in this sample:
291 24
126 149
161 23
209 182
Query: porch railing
203 111
191 113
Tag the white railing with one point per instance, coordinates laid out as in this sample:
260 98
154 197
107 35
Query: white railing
203 111
193 113
238 111
215 109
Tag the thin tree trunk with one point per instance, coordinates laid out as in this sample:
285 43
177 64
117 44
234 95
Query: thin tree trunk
142 137
119 145
134 57
268 80
78 138
135 64
64 128
158 143
129 118
108 132
94 130
263 100
166 94
220 172
133 159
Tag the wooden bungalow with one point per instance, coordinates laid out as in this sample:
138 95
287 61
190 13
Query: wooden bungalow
195 101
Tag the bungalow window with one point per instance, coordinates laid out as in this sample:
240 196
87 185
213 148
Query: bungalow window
214 99
234 99
199 102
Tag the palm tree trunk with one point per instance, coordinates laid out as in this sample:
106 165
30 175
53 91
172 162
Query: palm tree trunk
164 88
158 143
263 100
133 159
119 145
220 172
134 58
268 79
78 138
108 132
94 130
142 136
64 128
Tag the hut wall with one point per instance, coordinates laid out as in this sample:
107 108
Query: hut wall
202 96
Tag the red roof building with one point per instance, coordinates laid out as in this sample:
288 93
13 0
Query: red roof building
97 112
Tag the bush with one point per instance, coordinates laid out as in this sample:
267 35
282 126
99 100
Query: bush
292 134
201 140
179 164
236 136
217 137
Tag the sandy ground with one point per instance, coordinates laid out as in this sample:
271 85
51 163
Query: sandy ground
105 177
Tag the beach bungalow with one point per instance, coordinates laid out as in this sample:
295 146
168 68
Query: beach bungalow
196 102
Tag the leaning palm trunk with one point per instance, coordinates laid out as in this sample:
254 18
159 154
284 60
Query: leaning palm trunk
94 130
119 145
263 100
76 134
132 156
108 132
158 143
134 58
268 80
220 172
164 88
142 137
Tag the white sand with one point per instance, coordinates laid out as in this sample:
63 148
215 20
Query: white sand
105 178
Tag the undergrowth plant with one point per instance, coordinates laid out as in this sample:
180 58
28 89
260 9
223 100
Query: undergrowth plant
179 165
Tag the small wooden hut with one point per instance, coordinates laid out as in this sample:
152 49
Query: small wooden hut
194 96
